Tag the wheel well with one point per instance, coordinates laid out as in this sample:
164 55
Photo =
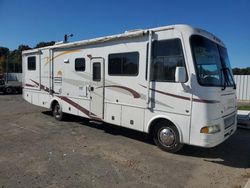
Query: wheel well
155 122
53 104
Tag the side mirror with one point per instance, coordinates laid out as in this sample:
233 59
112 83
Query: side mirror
180 74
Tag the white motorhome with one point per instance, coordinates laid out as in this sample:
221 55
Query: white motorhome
173 82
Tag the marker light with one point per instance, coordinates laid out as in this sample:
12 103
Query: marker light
210 129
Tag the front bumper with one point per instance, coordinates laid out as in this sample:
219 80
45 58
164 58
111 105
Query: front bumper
212 140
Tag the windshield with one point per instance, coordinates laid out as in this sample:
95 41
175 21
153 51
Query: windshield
211 62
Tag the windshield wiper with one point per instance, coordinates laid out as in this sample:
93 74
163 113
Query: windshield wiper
226 71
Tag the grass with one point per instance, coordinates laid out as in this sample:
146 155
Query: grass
243 107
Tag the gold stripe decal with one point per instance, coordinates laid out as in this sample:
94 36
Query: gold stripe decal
60 54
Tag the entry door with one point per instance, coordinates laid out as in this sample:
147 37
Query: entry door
97 88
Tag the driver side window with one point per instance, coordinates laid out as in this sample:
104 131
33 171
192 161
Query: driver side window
166 56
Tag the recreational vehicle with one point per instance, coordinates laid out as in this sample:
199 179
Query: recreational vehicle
173 82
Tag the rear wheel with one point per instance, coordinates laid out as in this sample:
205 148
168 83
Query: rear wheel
166 137
57 112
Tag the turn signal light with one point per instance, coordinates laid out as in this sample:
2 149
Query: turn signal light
205 130
210 129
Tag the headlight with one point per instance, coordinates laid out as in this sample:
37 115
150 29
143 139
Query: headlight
210 129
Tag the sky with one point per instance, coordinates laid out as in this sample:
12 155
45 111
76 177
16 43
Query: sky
32 21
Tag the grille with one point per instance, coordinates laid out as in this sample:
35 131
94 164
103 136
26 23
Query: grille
229 121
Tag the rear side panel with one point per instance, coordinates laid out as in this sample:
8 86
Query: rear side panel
32 71
32 77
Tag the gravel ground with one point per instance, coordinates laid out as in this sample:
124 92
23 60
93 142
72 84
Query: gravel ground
38 151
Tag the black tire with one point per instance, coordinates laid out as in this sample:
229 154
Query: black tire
57 112
8 90
20 90
166 137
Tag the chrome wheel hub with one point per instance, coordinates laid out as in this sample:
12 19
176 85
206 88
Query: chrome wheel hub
167 137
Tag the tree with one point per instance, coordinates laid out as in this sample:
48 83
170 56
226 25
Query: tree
15 58
43 44
23 47
4 52
241 71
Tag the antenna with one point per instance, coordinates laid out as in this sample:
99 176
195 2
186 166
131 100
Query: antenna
66 37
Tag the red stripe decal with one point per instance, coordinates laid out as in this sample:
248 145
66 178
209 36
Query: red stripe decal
227 94
29 85
42 86
133 92
35 82
182 97
206 101
77 106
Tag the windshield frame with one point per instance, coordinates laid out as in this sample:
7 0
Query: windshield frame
225 71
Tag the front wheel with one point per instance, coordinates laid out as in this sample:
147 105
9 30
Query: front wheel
166 137
57 112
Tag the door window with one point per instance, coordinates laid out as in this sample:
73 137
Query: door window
97 72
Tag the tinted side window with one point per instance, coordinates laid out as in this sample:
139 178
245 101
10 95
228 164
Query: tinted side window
166 56
32 63
80 64
123 64
97 72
